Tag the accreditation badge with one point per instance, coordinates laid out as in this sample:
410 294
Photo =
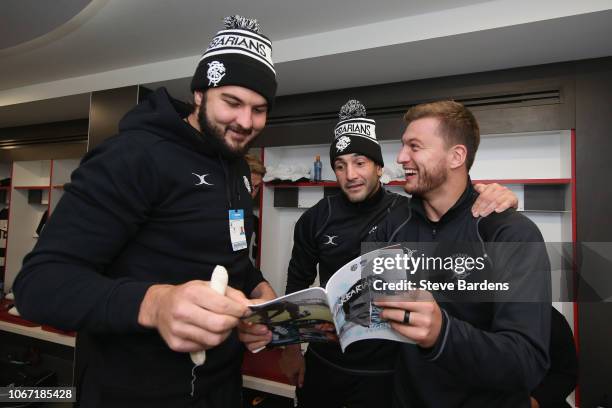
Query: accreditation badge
236 228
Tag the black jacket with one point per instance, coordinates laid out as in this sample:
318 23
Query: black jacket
489 353
147 206
329 235
560 380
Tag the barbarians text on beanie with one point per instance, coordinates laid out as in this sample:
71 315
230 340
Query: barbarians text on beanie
239 55
354 133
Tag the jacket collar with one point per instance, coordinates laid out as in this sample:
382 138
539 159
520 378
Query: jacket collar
465 202
368 203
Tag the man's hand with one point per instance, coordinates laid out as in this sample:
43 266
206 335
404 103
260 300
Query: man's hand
192 316
292 364
257 336
262 293
254 336
493 197
424 320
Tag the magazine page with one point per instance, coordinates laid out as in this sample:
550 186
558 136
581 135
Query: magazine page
300 317
348 294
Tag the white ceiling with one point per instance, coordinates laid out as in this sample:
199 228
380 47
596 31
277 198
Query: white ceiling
318 44
41 19
122 33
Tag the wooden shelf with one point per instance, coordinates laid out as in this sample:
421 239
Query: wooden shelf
38 333
547 211
526 181
272 387
327 183
32 187
504 181
401 182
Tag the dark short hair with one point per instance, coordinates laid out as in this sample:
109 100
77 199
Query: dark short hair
457 124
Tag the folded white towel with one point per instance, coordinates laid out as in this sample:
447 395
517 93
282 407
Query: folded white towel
286 172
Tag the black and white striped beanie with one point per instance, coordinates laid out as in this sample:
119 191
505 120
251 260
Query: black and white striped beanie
355 133
239 55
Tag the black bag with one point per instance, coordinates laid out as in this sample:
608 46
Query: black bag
20 375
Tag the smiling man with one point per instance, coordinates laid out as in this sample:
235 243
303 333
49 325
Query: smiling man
326 237
477 348
131 246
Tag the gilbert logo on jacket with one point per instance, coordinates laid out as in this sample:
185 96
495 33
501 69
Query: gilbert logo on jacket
202 179
330 240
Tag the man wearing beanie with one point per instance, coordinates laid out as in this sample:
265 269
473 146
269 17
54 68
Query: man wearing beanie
126 256
329 235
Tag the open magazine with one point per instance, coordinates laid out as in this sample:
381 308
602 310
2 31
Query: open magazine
342 311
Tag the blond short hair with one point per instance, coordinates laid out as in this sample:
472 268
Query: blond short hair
457 124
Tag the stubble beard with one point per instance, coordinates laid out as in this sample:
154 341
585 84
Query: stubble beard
428 180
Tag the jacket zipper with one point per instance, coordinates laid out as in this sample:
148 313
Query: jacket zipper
228 191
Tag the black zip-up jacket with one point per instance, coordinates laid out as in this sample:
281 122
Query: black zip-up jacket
147 206
489 353
560 380
329 235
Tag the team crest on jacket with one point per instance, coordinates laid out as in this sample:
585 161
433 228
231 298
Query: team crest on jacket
215 73
247 184
461 272
342 143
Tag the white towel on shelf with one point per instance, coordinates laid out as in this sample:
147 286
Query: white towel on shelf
392 172
286 172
